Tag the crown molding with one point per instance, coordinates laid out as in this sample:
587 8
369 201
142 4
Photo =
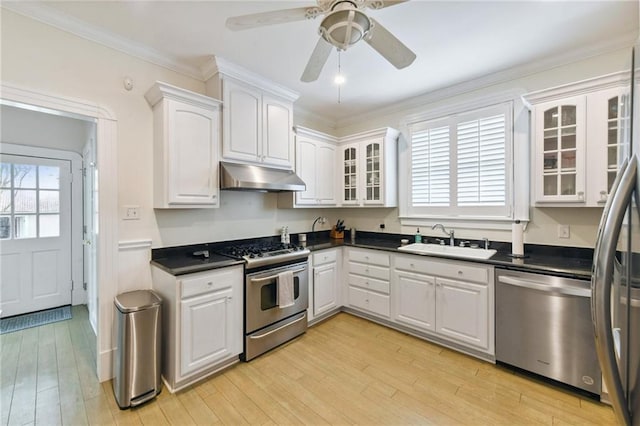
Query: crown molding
161 90
504 76
608 81
217 65
303 114
311 133
47 15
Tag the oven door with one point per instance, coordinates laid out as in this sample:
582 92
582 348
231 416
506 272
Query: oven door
262 293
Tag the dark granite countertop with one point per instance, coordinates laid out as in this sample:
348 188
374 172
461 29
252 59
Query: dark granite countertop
180 260
569 262
554 260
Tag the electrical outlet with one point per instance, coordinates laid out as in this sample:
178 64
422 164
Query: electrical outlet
563 231
131 213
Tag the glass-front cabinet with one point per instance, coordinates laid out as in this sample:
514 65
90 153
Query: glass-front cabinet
560 164
369 171
577 129
350 182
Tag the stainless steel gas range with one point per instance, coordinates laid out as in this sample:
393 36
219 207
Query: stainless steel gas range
276 293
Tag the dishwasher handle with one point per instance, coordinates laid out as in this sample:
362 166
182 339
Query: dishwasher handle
534 285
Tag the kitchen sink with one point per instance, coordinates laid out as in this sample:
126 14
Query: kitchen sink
443 250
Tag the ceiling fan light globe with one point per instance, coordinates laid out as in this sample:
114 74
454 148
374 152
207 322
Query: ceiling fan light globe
344 28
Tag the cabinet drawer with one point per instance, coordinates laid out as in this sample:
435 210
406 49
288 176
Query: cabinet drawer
326 256
372 302
370 257
369 283
450 269
369 270
193 285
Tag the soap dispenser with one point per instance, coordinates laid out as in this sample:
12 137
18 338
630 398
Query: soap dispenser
418 236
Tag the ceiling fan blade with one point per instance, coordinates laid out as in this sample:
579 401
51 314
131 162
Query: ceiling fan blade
245 22
386 44
316 61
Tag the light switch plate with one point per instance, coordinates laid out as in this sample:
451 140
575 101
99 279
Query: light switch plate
563 231
131 212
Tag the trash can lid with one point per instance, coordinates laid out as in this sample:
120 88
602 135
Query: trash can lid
137 300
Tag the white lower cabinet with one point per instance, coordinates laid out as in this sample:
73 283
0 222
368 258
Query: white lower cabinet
415 300
326 281
462 311
201 323
452 300
368 281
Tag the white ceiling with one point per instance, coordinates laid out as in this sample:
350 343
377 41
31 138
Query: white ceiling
455 41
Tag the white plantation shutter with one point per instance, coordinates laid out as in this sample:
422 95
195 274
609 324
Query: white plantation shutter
430 174
481 162
459 165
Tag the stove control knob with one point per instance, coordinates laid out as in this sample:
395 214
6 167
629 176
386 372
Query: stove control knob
251 256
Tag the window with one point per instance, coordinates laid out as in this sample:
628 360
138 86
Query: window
459 165
29 201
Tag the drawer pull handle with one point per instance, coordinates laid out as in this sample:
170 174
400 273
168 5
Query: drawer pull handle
460 272
210 283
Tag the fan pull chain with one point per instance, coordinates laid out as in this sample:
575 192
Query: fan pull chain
339 76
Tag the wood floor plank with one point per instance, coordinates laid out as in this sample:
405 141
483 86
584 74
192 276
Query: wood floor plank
23 401
346 370
196 407
48 407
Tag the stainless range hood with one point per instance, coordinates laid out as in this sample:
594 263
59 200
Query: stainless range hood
247 177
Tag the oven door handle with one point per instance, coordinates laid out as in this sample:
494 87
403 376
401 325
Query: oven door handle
272 277
289 324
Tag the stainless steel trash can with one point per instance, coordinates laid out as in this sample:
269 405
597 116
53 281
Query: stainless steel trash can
136 363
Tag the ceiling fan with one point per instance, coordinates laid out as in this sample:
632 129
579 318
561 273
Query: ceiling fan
343 25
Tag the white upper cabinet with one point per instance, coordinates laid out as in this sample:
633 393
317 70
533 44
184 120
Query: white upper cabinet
316 163
576 131
186 144
257 116
368 169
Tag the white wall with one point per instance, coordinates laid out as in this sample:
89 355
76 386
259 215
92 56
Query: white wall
48 60
38 56
25 127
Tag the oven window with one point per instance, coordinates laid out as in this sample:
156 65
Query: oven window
269 292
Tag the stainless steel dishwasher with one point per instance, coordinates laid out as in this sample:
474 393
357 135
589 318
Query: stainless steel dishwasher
543 325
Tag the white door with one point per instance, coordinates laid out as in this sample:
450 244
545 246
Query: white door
462 311
324 288
35 234
415 300
207 330
89 238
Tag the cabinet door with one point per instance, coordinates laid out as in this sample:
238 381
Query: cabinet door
462 312
372 179
608 120
192 138
277 142
242 122
325 286
415 300
350 172
560 151
325 174
306 168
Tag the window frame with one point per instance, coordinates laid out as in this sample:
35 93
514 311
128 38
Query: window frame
517 157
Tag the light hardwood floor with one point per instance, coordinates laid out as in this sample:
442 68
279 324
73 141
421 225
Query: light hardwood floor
344 371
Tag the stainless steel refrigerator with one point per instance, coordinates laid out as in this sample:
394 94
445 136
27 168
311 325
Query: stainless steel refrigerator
615 285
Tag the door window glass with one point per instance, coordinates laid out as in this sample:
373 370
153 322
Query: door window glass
29 201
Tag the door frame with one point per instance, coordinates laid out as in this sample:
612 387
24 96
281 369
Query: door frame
107 162
78 293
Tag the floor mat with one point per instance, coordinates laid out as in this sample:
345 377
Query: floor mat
20 322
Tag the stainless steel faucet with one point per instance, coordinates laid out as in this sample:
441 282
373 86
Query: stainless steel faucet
320 219
452 240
